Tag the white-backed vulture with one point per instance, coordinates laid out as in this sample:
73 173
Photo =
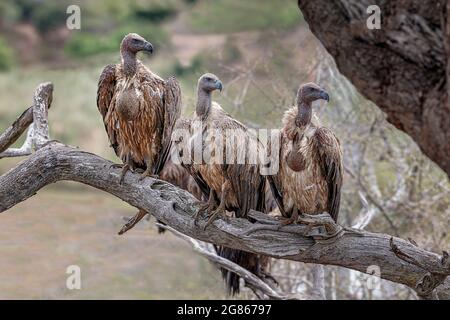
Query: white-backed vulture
139 110
309 179
228 185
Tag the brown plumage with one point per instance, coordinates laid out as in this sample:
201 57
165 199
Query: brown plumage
310 176
139 110
177 175
138 107
229 186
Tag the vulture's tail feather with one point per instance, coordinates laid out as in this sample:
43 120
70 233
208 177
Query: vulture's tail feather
249 261
161 230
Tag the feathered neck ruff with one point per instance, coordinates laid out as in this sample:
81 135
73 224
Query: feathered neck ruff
292 122
129 62
204 102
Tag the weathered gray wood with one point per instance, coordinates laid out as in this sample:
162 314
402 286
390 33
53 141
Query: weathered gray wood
175 207
42 99
25 150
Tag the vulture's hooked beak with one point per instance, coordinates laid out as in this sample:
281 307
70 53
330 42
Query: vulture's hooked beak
324 95
148 47
219 85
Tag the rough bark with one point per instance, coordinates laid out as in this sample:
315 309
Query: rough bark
402 67
42 100
401 262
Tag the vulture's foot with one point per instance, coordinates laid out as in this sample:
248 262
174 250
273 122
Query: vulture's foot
125 168
213 216
204 208
148 173
133 221
116 166
293 219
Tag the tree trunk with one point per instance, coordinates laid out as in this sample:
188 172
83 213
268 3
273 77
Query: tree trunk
402 67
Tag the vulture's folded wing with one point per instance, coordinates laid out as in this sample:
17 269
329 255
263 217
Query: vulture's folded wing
248 186
275 184
172 111
105 93
275 187
247 182
330 158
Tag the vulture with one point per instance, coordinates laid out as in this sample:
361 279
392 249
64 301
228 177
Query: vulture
139 110
229 186
309 179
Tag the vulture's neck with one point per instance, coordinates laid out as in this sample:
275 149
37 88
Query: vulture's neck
129 62
203 103
304 114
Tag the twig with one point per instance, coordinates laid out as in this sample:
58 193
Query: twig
255 283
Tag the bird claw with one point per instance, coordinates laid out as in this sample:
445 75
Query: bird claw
213 216
148 174
125 168
288 221
203 208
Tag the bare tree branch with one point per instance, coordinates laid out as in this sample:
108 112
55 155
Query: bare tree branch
317 240
348 248
42 101
25 150
252 281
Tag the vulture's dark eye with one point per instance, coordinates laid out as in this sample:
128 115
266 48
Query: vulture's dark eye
136 41
208 79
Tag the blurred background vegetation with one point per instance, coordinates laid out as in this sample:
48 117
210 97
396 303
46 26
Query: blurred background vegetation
262 50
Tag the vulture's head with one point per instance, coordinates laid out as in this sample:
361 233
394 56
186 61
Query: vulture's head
134 43
310 92
209 82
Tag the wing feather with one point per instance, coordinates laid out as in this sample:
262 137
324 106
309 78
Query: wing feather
105 93
172 111
246 181
330 158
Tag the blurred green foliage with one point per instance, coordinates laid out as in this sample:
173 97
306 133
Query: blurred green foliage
43 14
106 22
214 16
6 56
84 44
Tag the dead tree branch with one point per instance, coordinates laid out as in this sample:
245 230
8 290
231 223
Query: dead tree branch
317 240
38 133
347 248
252 281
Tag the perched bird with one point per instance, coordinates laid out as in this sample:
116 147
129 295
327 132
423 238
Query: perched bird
309 179
228 185
139 110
